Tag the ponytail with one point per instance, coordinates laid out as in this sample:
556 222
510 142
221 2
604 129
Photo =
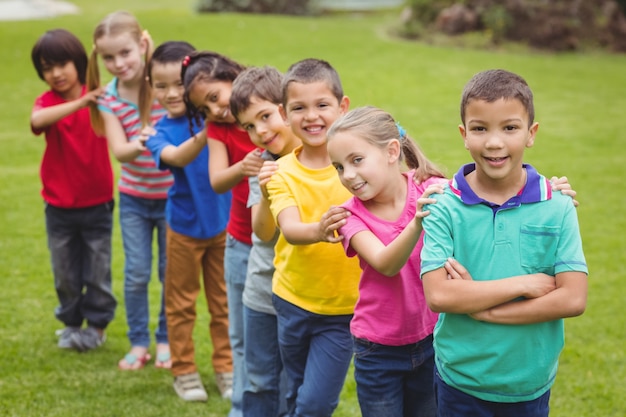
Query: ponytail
145 89
93 82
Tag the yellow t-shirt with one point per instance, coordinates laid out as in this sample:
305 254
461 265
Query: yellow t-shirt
319 278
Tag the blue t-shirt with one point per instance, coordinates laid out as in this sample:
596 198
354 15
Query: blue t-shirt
193 208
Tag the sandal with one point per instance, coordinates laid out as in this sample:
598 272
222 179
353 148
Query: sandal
132 362
163 358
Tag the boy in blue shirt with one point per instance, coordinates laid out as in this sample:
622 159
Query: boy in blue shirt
518 266
196 222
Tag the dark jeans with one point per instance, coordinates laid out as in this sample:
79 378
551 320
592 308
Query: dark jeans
395 381
316 351
454 403
80 252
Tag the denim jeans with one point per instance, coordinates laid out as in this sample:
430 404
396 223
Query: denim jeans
395 381
316 351
139 217
79 241
235 268
452 402
264 393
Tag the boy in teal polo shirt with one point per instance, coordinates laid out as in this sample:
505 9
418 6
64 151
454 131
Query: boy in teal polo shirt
502 262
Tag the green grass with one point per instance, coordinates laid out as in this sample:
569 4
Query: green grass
579 99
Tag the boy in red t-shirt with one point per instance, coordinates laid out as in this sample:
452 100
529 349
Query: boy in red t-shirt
77 190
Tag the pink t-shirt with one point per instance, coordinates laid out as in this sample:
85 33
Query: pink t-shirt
390 311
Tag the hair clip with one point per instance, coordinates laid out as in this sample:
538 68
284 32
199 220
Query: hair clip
186 60
401 130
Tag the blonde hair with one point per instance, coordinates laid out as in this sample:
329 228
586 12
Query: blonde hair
112 25
378 127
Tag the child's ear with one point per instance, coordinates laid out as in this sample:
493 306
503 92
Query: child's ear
463 135
143 45
283 114
344 104
532 132
393 150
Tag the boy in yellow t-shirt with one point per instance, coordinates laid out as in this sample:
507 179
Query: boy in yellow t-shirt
315 285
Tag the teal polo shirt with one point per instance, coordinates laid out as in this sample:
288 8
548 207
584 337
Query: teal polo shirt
535 231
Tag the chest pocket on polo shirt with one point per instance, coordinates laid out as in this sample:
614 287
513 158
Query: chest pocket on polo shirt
538 246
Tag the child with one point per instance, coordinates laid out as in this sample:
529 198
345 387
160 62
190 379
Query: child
500 331
119 40
255 102
315 284
208 78
392 325
77 191
196 219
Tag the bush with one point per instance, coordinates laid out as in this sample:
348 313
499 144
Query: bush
559 25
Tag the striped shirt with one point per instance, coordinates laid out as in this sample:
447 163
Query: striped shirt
140 177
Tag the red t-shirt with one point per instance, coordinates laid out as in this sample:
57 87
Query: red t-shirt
75 169
238 145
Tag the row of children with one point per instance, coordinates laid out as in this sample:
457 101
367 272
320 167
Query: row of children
289 297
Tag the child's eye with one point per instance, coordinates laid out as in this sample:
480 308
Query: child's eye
125 52
214 98
296 108
265 116
478 129
510 128
357 159
338 167
248 127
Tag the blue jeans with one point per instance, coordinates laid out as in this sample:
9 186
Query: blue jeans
395 381
235 268
316 351
79 241
263 395
454 403
139 217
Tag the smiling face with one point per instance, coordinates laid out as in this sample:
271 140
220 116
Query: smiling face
122 56
266 127
363 167
168 87
212 98
496 134
62 78
311 109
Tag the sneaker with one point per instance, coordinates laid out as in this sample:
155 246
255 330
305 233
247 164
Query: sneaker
65 337
87 339
224 382
189 387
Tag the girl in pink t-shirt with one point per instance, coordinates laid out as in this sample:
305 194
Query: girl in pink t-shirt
392 325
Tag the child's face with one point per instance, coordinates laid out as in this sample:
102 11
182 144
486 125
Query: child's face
311 109
122 56
266 127
61 77
213 99
496 134
168 87
361 165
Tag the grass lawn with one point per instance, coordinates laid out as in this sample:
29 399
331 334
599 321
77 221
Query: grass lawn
579 102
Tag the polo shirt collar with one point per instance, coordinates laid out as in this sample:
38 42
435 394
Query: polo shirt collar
536 189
